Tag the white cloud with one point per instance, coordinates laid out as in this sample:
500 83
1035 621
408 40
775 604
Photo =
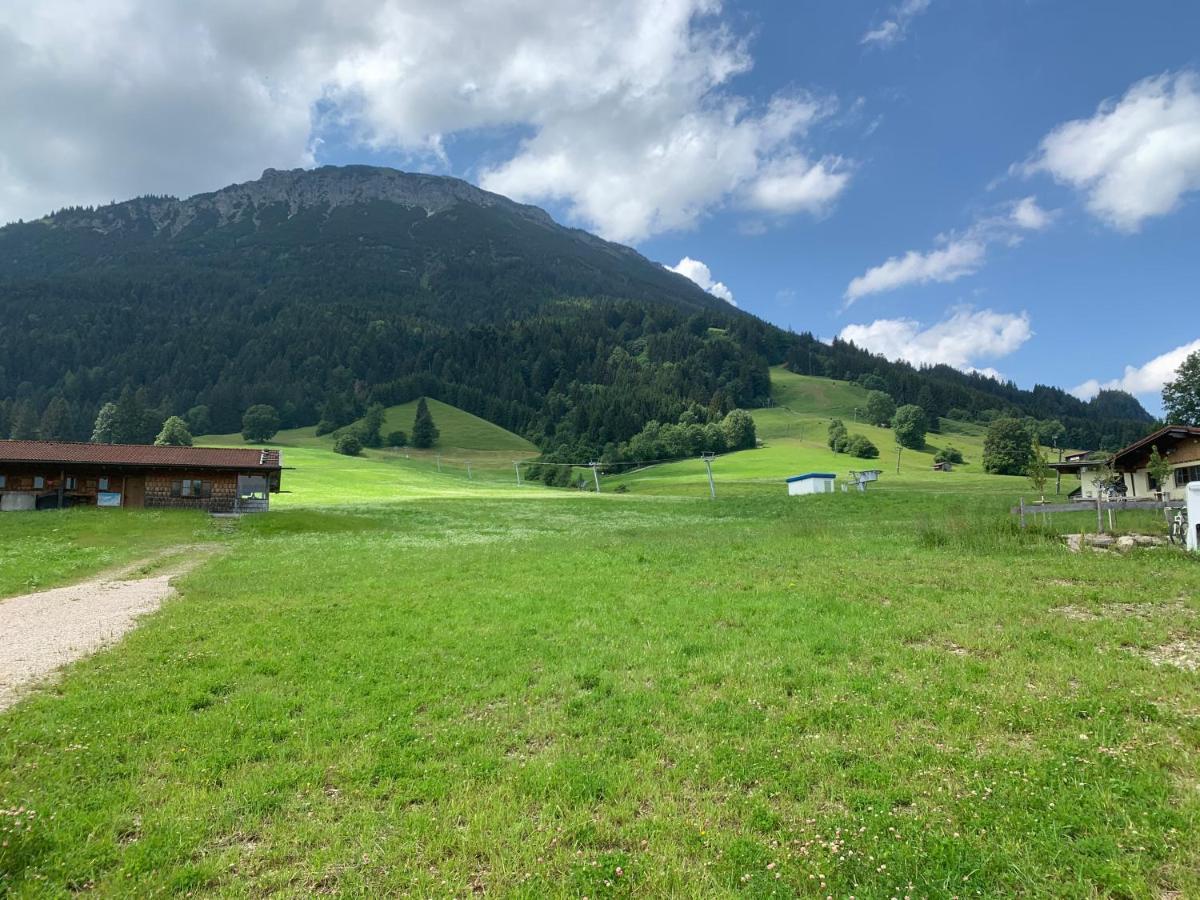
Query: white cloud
624 109
795 184
966 336
957 258
958 255
700 273
1145 379
895 29
1136 157
1028 215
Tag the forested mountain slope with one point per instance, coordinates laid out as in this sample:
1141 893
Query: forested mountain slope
321 291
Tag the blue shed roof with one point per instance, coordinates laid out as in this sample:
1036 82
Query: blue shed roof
807 475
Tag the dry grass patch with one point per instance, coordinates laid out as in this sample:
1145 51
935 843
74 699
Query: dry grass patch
1182 654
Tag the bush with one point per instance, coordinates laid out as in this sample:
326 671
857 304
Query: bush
397 439
948 454
860 445
260 423
347 444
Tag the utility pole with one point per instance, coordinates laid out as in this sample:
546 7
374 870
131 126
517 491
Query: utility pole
439 463
712 487
897 460
517 466
469 478
596 473
1058 472
856 415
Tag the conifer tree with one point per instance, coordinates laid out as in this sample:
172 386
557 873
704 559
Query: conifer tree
424 431
56 421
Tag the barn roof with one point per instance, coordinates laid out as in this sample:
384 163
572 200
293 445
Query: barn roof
68 452
808 475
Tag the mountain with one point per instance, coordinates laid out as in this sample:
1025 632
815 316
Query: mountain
323 291
431 242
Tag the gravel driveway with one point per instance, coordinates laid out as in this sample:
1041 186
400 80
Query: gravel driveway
44 631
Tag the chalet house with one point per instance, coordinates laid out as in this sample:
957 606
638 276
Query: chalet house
1179 445
57 474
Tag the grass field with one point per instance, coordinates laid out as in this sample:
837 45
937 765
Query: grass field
473 457
44 551
651 694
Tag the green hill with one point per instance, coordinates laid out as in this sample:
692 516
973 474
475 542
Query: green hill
317 476
794 431
459 430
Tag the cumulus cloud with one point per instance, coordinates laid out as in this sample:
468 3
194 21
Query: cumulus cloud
702 275
1136 157
957 254
1148 378
961 339
957 258
796 184
622 110
895 28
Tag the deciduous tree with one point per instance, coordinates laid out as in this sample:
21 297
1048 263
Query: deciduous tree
260 423
909 425
1181 395
1007 447
174 433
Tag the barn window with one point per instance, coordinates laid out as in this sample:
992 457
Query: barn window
191 487
69 483
3 482
104 483
39 482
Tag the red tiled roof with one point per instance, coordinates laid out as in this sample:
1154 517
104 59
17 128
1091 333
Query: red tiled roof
139 455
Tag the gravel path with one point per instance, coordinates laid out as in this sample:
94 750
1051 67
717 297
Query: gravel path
44 631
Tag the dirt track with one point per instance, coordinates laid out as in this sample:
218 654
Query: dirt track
46 630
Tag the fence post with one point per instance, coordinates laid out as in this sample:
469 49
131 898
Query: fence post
1022 512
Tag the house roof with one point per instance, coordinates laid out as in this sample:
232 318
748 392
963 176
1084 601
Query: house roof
1169 432
1172 432
808 475
68 452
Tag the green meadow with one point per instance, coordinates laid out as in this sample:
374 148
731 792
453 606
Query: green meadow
406 683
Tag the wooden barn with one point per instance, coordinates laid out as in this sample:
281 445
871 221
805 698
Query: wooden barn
57 474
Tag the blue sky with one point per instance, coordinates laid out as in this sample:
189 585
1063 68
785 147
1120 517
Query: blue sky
1010 186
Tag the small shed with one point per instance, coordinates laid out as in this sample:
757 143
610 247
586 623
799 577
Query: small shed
943 466
811 483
